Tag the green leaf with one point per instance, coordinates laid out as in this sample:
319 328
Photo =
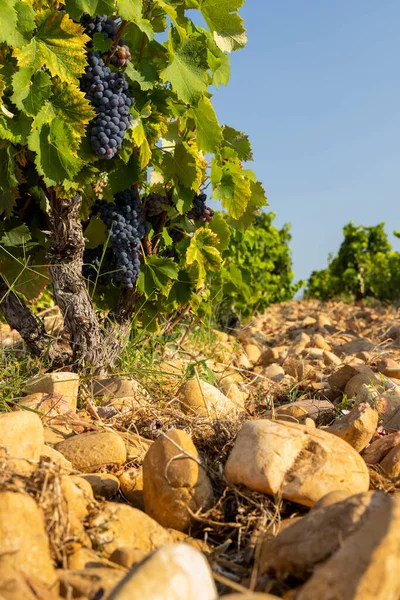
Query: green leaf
208 130
145 75
27 275
95 233
203 253
222 18
59 44
9 181
70 104
76 8
31 89
239 141
131 10
157 273
16 22
100 43
233 190
16 237
53 143
220 66
219 226
187 69
258 200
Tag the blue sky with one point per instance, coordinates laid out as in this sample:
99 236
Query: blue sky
318 91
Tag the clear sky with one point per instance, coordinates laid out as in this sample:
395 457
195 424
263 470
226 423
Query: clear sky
318 90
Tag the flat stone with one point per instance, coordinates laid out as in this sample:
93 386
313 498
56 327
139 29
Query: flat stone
118 387
60 383
22 438
89 451
320 411
49 405
199 397
104 485
357 427
56 457
300 463
274 372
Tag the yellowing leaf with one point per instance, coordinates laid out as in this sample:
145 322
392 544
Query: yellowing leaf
202 252
208 130
59 44
70 104
222 18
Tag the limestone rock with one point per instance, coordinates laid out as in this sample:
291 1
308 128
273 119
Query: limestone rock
83 485
389 367
24 544
355 384
274 372
176 572
253 352
117 525
118 387
60 383
300 463
199 397
320 342
357 427
75 508
136 445
21 434
320 411
323 321
89 583
297 368
86 558
391 463
131 482
342 376
367 565
128 557
55 433
299 549
104 485
174 481
392 421
331 498
380 448
250 596
235 394
13 585
89 451
331 359
56 457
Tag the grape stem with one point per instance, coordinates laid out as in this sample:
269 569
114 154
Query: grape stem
115 42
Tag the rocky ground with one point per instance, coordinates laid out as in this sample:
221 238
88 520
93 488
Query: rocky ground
259 465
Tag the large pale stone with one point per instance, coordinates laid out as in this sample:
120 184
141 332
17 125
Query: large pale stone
24 544
59 383
89 451
357 427
174 480
199 397
301 463
21 434
49 405
118 387
56 457
119 525
355 384
175 572
320 411
366 565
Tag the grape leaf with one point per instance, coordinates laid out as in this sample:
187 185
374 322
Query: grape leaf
16 237
100 43
59 44
16 22
27 275
145 75
208 130
95 233
31 89
203 253
9 181
131 10
219 226
257 200
70 104
238 141
157 272
182 289
234 191
187 69
220 66
25 20
76 8
53 143
222 18
181 167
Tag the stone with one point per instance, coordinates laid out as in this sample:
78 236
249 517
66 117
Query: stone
180 536
331 498
104 485
24 544
366 566
320 342
309 542
320 411
49 453
357 427
180 571
300 463
380 448
136 445
174 481
75 510
118 387
342 376
274 372
250 596
221 336
355 346
61 383
84 485
389 367
202 398
53 434
22 438
297 368
131 483
49 405
89 583
355 384
381 403
243 361
235 394
308 321
128 557
85 558
118 525
270 356
90 451
323 321
392 421
391 463
331 359
13 585
253 352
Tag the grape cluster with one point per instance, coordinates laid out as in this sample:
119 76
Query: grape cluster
199 211
108 93
100 24
94 268
126 229
121 56
155 204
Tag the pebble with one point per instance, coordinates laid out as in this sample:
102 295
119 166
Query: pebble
89 451
60 383
202 398
22 438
